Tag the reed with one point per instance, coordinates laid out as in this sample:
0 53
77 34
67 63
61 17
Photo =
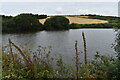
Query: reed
85 49
77 60
11 52
27 60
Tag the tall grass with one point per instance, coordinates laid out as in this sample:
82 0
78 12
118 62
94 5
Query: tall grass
26 59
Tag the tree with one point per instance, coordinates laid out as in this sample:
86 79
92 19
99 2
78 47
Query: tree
57 23
42 16
21 23
27 22
8 24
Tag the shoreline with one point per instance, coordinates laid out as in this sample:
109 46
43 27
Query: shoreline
75 22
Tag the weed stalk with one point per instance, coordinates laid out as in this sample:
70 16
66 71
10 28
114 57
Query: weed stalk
77 60
85 49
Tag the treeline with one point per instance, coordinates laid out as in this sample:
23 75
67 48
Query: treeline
42 16
28 22
100 25
22 23
111 19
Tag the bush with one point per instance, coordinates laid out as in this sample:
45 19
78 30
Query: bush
57 23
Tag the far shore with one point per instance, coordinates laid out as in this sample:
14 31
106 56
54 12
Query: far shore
79 20
44 22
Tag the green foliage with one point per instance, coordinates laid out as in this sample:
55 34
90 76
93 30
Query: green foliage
26 22
42 61
40 16
111 19
8 24
117 49
62 69
21 23
101 25
56 23
105 63
6 17
19 69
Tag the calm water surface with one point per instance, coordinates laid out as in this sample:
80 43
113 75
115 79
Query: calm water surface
63 42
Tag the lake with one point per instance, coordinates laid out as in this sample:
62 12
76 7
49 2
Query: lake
63 42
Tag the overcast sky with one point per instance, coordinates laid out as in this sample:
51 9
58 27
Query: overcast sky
16 8
59 0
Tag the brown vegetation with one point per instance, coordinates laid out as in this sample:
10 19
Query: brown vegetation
80 20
